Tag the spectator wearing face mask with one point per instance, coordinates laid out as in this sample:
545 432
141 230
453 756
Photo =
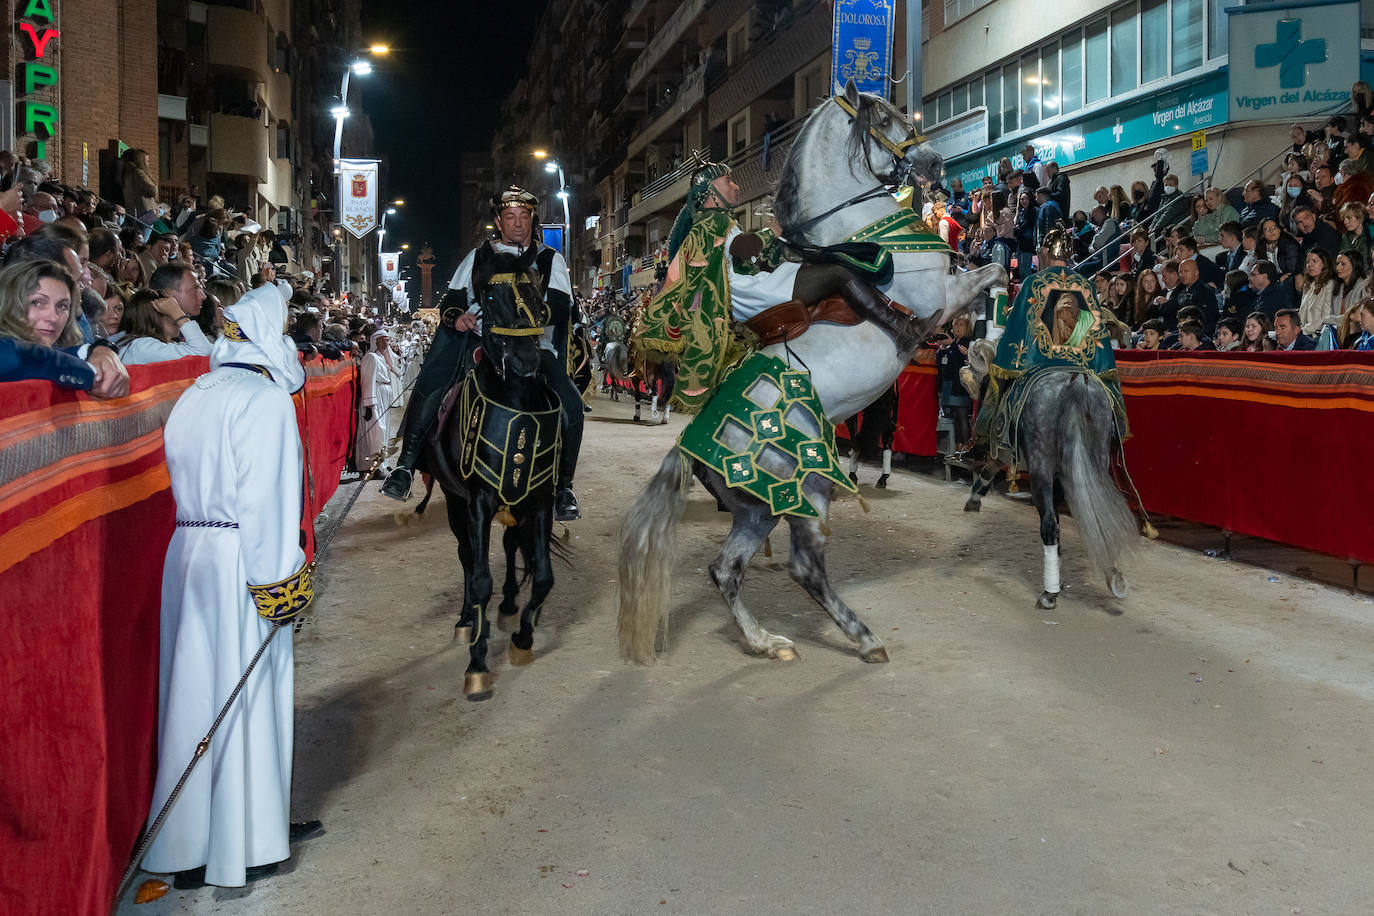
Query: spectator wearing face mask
1355 184
40 211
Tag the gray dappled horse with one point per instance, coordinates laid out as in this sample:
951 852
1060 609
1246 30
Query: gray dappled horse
1065 434
834 183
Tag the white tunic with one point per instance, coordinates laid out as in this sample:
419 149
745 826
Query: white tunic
234 454
558 280
750 295
377 382
144 350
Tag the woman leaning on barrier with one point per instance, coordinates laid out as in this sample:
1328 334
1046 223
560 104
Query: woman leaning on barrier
39 336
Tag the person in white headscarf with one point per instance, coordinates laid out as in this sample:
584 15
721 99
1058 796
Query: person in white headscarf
379 384
234 569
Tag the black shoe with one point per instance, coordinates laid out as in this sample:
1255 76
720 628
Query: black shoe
193 878
304 830
565 508
397 485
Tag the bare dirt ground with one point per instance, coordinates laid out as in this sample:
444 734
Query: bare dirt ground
1201 747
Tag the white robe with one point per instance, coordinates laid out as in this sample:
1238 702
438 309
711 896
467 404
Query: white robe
234 453
377 382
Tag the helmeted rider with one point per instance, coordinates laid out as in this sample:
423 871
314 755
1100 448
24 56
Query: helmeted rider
459 335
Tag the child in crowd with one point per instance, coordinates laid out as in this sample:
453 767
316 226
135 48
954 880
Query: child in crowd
1191 336
1151 333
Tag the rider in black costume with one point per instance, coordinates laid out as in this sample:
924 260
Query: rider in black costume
457 337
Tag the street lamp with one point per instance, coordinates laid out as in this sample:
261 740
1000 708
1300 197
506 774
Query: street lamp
552 167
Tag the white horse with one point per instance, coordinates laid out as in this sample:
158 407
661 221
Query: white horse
837 179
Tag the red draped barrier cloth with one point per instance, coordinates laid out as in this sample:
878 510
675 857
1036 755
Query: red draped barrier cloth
918 407
1266 444
86 514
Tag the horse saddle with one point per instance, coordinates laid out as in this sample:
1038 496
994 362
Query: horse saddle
515 452
791 320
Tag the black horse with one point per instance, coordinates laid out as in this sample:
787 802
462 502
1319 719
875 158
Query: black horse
496 457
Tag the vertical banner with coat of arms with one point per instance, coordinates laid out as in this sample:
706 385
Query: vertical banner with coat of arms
391 267
358 209
861 43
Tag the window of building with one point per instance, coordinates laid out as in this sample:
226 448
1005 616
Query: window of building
738 132
1030 90
1095 62
960 99
283 141
928 115
164 151
1050 85
1154 40
944 106
737 42
1071 82
958 9
1217 34
1187 32
975 92
994 103
1125 44
812 86
1011 93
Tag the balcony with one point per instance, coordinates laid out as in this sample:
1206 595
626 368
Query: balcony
689 95
754 177
665 39
237 41
238 146
774 58
660 193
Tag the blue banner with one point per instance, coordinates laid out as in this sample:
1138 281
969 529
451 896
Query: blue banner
553 237
861 41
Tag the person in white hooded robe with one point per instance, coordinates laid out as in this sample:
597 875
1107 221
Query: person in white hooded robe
379 384
234 570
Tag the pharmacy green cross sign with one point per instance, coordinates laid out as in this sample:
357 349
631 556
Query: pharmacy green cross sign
1290 53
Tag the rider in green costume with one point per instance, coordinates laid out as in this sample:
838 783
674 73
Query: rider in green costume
1056 324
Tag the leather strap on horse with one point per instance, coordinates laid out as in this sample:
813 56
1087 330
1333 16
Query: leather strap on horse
791 320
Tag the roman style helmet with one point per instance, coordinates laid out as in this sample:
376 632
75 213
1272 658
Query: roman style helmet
1058 245
515 197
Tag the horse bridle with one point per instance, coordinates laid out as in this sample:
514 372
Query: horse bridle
897 150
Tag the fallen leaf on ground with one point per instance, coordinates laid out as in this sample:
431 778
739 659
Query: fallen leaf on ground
151 890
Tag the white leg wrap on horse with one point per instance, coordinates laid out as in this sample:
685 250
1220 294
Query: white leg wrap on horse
653 405
887 461
1052 568
999 299
853 458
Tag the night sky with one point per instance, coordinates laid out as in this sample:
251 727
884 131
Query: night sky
435 96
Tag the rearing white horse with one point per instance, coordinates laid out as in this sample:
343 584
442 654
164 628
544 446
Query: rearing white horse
836 182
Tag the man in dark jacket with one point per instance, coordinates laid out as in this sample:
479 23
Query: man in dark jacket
1288 332
1048 216
1258 206
1058 185
1193 291
1271 296
1208 270
1233 253
1315 233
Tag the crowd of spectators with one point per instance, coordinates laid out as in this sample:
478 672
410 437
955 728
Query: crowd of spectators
1262 266
89 286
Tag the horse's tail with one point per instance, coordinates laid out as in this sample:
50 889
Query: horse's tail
648 538
1104 521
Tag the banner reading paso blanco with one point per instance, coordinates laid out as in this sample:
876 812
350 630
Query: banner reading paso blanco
358 184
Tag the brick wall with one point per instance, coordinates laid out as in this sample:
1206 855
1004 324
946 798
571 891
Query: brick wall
107 81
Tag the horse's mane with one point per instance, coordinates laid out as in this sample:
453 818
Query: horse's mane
787 205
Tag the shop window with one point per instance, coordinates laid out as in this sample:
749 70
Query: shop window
1154 40
1125 51
994 103
1011 92
1095 62
1030 90
1071 88
1050 85
1187 30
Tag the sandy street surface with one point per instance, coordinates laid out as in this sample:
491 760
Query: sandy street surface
1204 750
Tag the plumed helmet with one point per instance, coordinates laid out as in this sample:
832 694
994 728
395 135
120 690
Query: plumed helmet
514 197
1058 245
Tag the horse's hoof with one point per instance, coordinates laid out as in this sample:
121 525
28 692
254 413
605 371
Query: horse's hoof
853 477
520 657
786 654
882 482
477 685
1120 588
973 505
462 634
1047 601
876 656
507 623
